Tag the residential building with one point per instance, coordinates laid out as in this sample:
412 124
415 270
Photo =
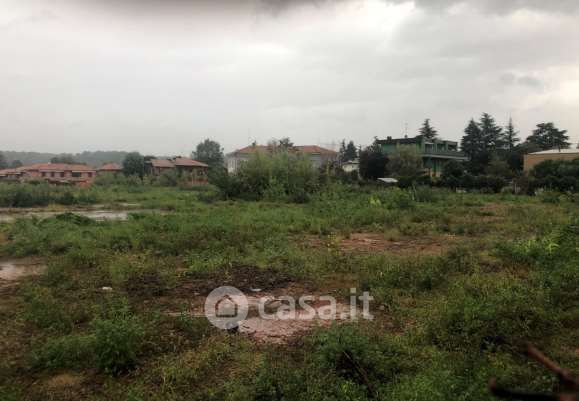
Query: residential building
318 155
350 165
194 169
532 159
55 173
110 168
435 152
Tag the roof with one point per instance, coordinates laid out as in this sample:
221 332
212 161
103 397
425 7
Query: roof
161 163
252 149
183 161
58 167
412 140
309 149
110 167
178 161
556 151
11 171
315 149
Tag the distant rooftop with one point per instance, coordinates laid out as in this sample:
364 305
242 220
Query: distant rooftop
555 151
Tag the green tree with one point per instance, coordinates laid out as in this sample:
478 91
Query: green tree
209 152
373 162
16 164
428 131
134 164
65 159
471 142
3 162
491 133
547 136
348 152
405 162
511 136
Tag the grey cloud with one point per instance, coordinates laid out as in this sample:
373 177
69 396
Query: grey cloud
501 6
529 81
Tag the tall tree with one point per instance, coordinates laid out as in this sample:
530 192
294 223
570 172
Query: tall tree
491 133
547 136
3 162
471 142
373 162
134 164
511 136
427 130
348 152
209 152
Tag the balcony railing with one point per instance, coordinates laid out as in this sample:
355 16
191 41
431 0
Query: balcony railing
448 153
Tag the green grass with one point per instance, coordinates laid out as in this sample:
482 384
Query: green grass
445 323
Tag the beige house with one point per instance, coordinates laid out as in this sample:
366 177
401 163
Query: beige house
532 159
318 156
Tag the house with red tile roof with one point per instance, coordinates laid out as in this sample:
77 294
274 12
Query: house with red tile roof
110 168
318 155
54 173
194 169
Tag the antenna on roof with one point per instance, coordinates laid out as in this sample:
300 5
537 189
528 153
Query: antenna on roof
405 130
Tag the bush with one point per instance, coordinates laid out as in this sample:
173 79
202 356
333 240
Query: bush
43 310
280 176
66 352
117 342
483 312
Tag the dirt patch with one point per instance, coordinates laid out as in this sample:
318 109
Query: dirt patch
64 381
14 270
269 320
377 243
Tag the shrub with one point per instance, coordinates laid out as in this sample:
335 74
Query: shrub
43 310
482 311
117 342
66 352
278 176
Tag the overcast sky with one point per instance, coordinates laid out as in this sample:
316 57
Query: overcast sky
159 76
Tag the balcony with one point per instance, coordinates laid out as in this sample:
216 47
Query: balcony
443 153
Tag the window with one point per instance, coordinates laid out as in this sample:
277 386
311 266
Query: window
76 174
62 174
52 174
44 174
89 175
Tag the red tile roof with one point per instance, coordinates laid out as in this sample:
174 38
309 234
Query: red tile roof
58 167
183 161
178 161
310 149
315 149
161 163
110 167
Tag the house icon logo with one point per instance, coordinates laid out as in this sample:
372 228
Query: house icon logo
225 307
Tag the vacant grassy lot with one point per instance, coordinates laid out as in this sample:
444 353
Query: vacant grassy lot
460 281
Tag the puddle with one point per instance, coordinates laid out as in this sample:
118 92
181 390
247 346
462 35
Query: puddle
14 270
97 215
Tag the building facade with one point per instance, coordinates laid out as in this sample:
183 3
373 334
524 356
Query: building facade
532 159
194 170
435 153
317 155
54 173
